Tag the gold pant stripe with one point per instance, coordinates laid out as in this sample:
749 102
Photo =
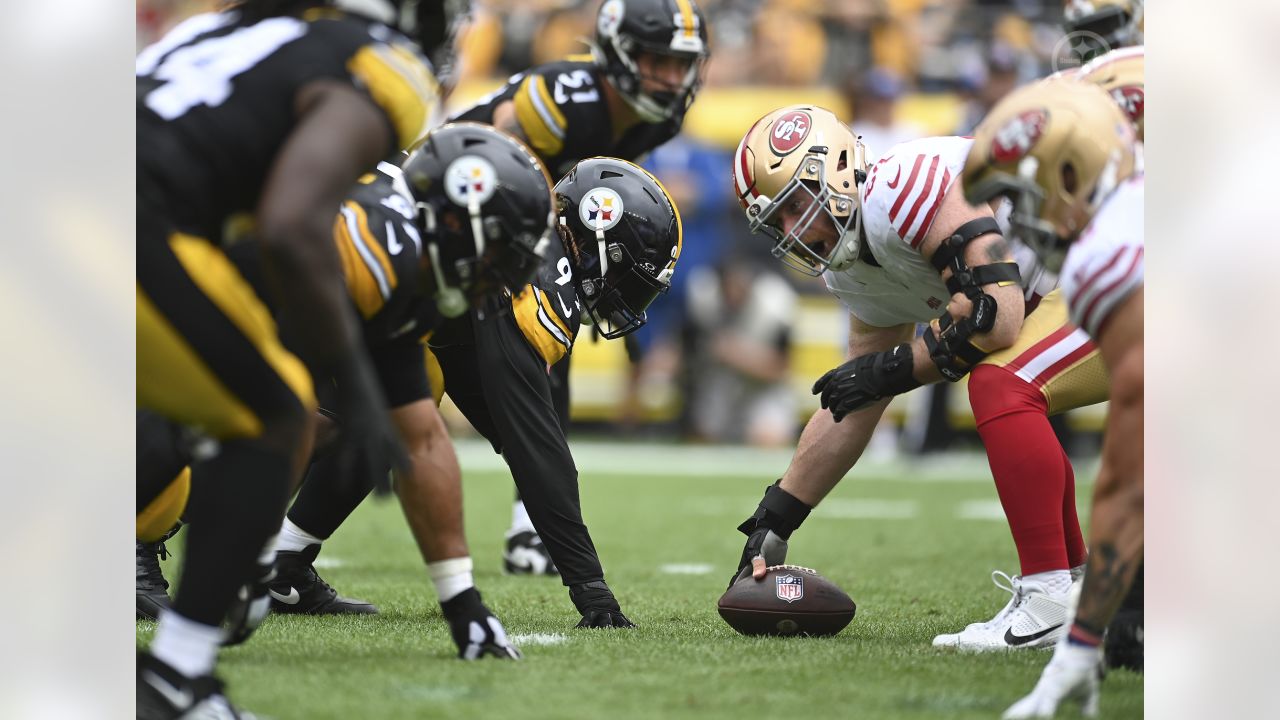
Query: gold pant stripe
160 515
175 382
1049 354
222 283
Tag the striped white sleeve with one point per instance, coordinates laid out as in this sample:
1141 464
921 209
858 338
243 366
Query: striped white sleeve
1097 277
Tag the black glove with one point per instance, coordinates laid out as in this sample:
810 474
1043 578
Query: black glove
250 606
866 379
768 530
369 446
476 631
598 606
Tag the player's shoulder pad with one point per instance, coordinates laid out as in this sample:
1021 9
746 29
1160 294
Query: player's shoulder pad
905 187
559 102
378 244
389 67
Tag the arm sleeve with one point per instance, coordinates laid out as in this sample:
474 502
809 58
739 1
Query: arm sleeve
521 412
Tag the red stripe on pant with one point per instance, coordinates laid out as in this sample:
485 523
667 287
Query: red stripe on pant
1032 473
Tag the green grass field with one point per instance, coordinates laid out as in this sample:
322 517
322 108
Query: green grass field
912 544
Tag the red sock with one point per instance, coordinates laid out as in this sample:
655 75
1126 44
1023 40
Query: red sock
1077 552
1031 471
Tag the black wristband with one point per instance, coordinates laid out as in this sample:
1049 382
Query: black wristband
779 510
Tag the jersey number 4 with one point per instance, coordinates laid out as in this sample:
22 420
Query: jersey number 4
200 74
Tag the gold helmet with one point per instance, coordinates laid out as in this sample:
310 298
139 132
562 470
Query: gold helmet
1120 72
802 154
1104 25
1056 148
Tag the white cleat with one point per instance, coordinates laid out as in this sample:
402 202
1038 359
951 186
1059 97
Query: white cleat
1033 618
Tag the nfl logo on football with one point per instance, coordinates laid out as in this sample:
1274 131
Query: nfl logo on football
789 587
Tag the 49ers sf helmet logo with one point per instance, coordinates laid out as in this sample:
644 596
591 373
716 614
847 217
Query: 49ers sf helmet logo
789 131
1016 138
1132 100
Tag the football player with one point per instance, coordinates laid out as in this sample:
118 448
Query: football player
1076 185
468 215
268 110
898 243
621 236
623 100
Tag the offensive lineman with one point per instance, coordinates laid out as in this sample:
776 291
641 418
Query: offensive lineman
271 109
899 244
1077 187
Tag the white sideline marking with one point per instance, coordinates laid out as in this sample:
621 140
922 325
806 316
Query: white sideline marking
980 510
656 459
537 639
867 509
328 562
686 569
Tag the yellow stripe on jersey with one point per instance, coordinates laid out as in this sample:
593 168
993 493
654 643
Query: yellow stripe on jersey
367 178
542 122
581 57
550 312
370 278
402 85
686 17
547 337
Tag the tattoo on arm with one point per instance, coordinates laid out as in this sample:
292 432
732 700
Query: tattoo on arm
1107 579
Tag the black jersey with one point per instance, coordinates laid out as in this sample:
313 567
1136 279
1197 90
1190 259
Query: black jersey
562 110
216 100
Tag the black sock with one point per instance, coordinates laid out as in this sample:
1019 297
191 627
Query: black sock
327 498
237 499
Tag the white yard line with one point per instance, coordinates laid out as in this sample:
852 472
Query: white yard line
538 639
650 459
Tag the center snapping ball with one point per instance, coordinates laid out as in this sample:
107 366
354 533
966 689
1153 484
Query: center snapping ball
790 600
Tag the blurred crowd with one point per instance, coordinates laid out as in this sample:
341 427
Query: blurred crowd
722 341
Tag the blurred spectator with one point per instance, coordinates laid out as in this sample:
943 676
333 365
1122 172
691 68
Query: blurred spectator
875 119
984 83
738 356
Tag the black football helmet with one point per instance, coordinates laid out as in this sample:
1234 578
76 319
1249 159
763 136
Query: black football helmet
664 27
622 234
484 209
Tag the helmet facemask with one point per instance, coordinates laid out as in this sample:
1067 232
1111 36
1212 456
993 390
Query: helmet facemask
823 204
615 291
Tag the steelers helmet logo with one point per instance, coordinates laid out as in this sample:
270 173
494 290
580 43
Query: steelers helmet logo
1016 138
610 17
470 177
601 209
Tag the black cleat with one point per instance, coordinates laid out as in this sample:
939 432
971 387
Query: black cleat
297 588
153 589
166 694
526 555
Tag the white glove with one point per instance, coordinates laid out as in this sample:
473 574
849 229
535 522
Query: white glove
1074 672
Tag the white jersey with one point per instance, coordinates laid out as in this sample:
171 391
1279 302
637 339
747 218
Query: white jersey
1105 264
900 198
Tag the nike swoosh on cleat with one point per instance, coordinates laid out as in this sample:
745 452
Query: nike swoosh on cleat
180 698
1017 640
291 599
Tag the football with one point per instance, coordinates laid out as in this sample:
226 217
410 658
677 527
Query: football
790 600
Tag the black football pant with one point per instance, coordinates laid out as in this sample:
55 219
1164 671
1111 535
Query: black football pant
502 387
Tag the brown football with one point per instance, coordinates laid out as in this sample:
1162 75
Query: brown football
790 600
